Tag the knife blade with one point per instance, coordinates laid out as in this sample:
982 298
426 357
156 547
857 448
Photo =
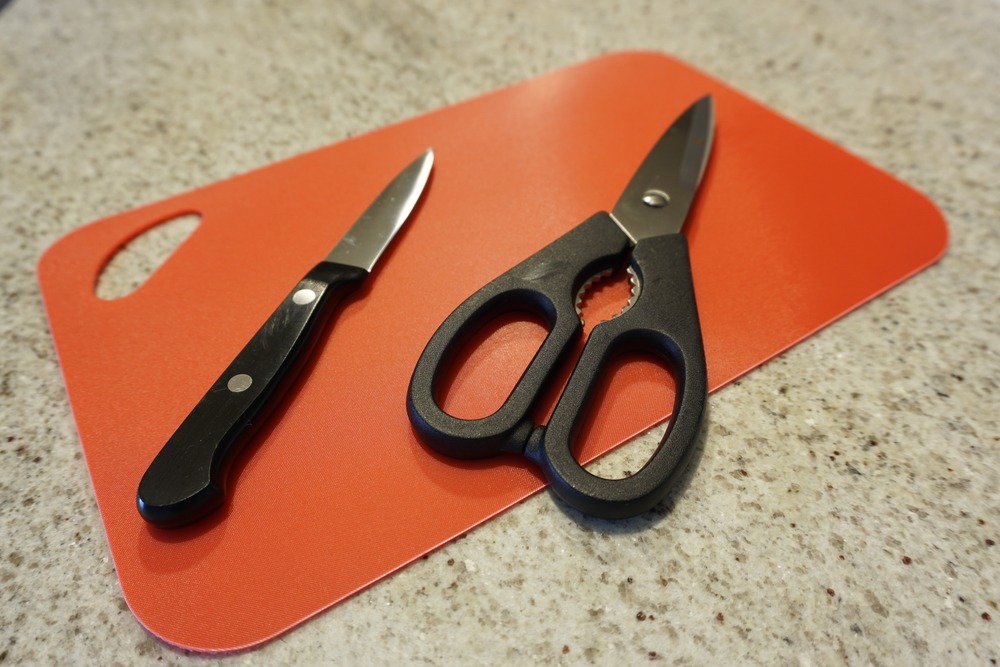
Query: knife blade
187 480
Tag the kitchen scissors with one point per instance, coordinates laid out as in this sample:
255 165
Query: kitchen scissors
643 230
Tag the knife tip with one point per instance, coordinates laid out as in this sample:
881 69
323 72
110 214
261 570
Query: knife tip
423 165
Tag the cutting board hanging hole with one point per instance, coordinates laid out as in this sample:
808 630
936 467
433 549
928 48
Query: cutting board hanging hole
143 255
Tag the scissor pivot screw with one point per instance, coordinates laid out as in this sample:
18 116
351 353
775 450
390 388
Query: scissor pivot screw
655 198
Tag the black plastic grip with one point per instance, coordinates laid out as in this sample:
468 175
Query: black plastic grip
663 321
545 284
187 479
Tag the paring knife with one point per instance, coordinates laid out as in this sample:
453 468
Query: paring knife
187 479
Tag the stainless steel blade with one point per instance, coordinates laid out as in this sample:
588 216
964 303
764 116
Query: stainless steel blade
369 236
657 199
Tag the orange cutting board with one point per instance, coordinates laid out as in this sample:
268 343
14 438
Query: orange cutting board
789 233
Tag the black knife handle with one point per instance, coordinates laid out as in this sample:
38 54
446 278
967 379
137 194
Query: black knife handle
187 479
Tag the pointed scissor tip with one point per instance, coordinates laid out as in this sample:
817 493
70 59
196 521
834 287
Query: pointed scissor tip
704 105
704 100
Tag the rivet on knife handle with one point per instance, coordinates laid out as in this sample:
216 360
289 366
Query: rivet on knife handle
186 481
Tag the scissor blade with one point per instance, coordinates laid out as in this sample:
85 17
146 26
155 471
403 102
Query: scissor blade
369 236
657 199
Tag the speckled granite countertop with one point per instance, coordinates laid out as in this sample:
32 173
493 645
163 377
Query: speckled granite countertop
846 506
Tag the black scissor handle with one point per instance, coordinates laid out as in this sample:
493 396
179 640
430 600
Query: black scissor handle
545 284
663 321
